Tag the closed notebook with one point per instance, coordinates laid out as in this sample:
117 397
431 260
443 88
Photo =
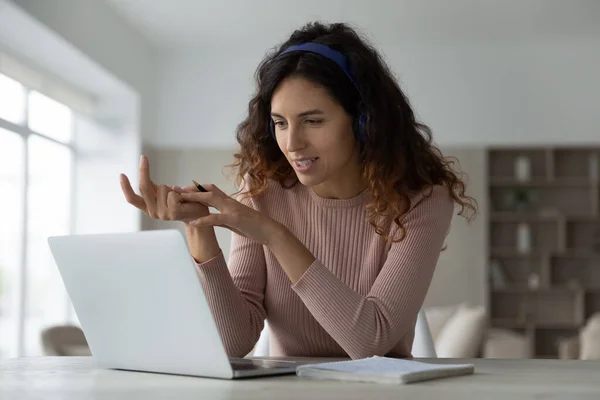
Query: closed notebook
383 370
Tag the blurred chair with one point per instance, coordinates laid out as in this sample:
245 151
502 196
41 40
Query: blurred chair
64 340
423 345
457 330
585 345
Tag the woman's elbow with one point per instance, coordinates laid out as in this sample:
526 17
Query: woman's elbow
369 350
238 350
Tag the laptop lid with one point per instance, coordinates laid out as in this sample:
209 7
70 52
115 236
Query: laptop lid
140 302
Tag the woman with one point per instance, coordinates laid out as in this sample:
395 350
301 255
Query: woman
342 213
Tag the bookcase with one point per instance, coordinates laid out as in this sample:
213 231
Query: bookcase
544 242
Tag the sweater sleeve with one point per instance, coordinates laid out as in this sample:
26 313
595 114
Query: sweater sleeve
373 324
235 294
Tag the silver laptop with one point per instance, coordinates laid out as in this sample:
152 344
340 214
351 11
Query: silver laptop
141 306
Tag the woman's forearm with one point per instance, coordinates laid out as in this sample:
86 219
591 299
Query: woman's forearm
291 254
202 242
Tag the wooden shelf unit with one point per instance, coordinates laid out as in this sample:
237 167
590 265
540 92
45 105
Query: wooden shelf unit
550 287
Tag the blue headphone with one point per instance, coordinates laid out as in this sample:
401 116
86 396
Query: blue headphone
341 61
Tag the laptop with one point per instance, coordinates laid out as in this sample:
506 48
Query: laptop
141 306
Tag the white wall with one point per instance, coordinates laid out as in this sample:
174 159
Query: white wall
202 96
461 272
491 93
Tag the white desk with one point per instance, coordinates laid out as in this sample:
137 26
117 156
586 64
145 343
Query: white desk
78 378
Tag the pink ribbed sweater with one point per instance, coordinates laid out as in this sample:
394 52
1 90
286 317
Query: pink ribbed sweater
359 298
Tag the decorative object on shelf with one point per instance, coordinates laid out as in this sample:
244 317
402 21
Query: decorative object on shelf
549 212
523 238
533 282
522 168
519 199
497 276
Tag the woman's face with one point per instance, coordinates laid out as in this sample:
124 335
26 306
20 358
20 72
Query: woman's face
315 134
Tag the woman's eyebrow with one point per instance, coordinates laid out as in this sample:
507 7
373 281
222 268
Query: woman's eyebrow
302 114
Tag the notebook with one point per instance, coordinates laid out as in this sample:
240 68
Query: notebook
383 370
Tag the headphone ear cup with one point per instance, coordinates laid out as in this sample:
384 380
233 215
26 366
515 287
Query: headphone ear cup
362 126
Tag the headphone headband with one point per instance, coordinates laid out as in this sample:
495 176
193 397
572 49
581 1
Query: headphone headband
327 52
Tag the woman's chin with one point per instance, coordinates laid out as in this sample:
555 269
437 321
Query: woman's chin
308 181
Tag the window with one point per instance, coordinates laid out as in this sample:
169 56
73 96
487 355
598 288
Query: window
49 117
11 238
48 189
36 164
12 100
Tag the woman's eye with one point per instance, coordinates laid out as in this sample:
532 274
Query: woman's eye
313 121
279 123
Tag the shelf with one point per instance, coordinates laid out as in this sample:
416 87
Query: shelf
583 218
510 216
542 290
515 324
532 216
575 253
510 323
560 207
509 252
499 181
523 289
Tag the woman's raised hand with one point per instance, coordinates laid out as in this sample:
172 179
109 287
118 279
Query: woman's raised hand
161 201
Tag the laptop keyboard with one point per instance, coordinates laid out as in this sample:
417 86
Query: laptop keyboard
245 367
241 364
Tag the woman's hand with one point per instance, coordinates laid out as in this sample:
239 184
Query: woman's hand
233 215
161 201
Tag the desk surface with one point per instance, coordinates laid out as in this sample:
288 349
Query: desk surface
78 378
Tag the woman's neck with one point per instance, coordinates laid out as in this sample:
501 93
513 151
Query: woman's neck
348 182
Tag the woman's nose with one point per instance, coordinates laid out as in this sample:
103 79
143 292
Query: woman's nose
295 138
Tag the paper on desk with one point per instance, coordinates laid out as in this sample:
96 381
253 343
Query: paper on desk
383 370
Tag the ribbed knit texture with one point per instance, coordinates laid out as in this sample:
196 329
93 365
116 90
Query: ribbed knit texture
359 298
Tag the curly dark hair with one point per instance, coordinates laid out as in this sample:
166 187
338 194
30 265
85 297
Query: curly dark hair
397 154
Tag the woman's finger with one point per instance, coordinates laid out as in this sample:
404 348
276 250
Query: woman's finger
147 188
208 198
131 197
186 189
173 201
162 209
